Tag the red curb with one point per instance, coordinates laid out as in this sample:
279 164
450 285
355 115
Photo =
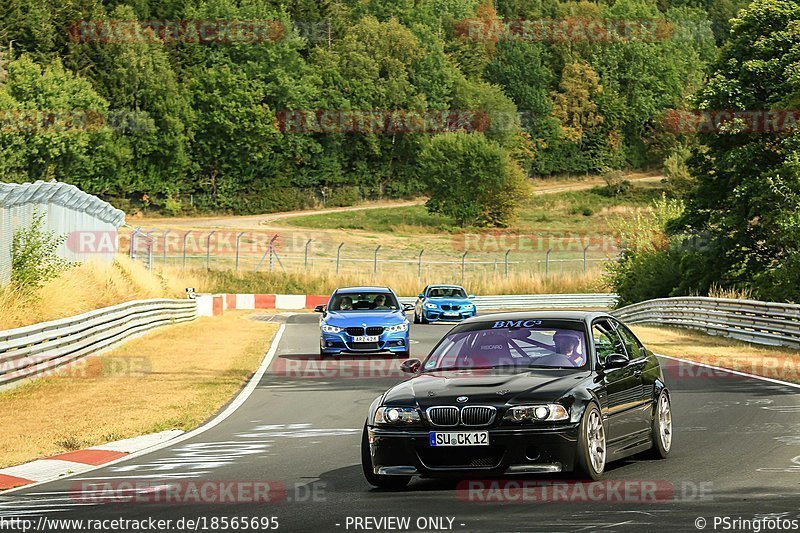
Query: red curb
265 301
90 457
9 482
313 301
230 301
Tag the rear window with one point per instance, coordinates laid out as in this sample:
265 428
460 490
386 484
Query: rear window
524 344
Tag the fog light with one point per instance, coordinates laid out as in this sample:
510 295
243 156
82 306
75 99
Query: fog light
400 342
329 344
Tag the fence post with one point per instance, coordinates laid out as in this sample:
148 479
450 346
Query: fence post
238 238
185 237
338 256
463 265
272 252
506 260
208 250
375 260
547 262
164 251
133 244
419 263
305 258
584 257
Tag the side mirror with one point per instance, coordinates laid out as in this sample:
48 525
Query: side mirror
407 308
471 296
319 309
615 360
420 296
411 366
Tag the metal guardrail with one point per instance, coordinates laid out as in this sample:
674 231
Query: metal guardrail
37 349
539 301
769 323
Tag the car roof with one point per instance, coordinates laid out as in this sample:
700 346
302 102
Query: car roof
445 286
351 290
581 316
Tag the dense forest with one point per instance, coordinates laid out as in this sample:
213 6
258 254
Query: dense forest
154 118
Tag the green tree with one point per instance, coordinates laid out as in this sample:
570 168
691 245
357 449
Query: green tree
472 180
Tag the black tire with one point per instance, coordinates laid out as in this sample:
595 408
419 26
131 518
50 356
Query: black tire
422 319
416 317
377 480
585 467
662 445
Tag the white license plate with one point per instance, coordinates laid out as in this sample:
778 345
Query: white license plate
366 338
459 438
451 314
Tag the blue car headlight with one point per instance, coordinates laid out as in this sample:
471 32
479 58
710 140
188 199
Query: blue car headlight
327 328
429 305
397 328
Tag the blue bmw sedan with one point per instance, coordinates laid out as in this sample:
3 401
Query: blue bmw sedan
443 303
363 320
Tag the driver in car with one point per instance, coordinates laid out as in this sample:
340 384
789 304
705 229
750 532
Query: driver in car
347 304
568 345
379 302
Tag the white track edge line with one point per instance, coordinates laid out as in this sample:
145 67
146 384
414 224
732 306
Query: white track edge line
232 407
731 371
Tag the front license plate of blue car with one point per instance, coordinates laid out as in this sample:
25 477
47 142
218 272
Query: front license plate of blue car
367 338
459 438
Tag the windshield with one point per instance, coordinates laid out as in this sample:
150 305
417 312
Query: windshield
532 343
364 301
446 292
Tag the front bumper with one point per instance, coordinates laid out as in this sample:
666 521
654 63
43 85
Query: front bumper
440 315
511 450
334 343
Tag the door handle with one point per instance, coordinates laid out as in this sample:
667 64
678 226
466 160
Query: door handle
637 373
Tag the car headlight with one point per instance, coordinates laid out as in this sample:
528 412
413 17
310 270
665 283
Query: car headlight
395 416
429 305
327 328
397 328
469 307
551 412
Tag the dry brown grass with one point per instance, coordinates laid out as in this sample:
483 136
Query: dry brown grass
174 378
403 283
86 287
776 363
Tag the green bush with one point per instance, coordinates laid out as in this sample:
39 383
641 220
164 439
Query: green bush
472 180
343 197
34 257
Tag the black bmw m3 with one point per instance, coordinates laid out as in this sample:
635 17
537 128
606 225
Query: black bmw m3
520 393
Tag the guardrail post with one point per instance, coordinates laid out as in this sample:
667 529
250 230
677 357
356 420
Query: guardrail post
419 263
238 239
547 262
305 257
338 256
185 238
375 260
584 257
463 265
506 260
208 250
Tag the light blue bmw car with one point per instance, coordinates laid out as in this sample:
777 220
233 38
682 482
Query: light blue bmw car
448 303
363 320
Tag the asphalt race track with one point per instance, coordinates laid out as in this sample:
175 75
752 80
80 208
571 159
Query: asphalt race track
736 453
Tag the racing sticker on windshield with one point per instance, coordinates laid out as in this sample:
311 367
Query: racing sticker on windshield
501 324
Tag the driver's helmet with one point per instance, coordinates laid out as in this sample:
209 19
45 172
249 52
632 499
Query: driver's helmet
567 341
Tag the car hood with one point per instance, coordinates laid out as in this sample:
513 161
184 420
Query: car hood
449 301
370 318
487 387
